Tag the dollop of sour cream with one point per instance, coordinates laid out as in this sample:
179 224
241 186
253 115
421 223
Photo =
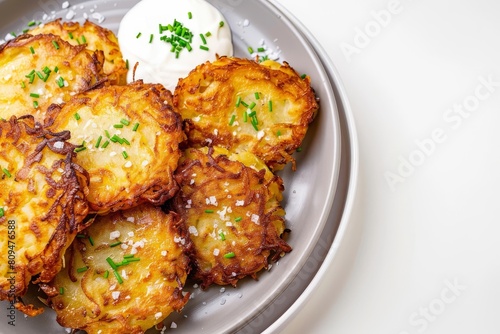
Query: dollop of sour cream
147 36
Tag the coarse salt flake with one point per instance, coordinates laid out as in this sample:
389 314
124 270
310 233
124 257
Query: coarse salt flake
114 235
115 295
70 14
193 230
216 252
58 144
255 218
65 4
164 253
158 315
240 203
173 325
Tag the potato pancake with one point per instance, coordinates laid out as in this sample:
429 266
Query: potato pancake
42 205
230 204
124 274
94 37
129 137
36 71
242 105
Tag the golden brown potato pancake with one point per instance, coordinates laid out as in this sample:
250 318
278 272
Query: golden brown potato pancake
242 105
124 274
42 205
36 71
130 139
230 204
95 38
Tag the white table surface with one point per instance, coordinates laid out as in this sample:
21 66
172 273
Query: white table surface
421 253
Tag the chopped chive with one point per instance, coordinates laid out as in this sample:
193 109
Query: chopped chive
91 241
125 154
151 38
124 121
244 104
299 149
31 23
245 116
118 277
270 106
32 50
252 105
107 134
61 291
209 211
128 256
60 82
106 143
70 35
56 45
190 15
208 34
250 50
257 95
40 75
221 24
138 35
77 116
106 274
126 141
222 236
111 263
133 259
255 126
98 142
84 40
233 117
56 69
2 212
81 236
80 149
35 95
82 269
116 139
261 49
136 126
303 76
238 219
203 39
23 85
114 244
229 255
203 47
118 126
278 133
6 172
35 104
238 101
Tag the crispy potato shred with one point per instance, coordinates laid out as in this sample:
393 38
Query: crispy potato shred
232 212
129 137
38 70
95 38
114 194
120 276
245 106
43 204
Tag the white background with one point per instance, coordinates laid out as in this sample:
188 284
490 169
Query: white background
422 255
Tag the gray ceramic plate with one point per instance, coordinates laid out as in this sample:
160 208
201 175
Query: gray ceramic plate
317 195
